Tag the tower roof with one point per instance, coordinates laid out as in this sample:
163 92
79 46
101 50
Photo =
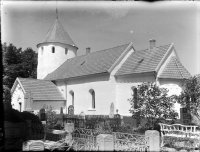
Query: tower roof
58 34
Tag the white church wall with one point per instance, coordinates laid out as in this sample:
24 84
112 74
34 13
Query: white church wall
175 87
18 96
48 61
104 95
56 105
124 91
61 85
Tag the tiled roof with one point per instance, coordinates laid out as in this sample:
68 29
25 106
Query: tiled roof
57 33
174 69
143 61
92 63
41 89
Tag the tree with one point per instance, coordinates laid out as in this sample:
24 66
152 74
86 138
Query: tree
190 96
16 63
153 104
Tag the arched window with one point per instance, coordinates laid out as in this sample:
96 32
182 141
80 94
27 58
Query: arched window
42 51
66 50
134 89
72 97
93 98
53 49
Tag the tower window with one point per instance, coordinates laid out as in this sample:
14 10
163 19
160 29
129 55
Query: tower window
93 98
42 51
72 97
53 49
66 50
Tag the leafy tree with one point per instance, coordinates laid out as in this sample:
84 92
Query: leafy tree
190 96
153 104
16 63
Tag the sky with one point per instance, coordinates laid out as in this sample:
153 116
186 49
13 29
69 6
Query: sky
102 25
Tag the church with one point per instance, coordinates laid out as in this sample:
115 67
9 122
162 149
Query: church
94 81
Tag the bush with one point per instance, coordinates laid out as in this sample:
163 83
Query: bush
30 116
15 116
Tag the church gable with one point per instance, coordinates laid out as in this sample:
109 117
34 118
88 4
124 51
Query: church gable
174 70
143 61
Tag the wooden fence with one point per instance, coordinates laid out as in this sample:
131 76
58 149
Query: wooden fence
16 133
180 136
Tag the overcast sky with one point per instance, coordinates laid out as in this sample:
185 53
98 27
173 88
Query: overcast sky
102 25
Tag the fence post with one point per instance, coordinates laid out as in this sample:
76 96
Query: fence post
29 131
153 140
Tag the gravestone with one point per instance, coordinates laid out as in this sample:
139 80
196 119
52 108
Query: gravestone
105 142
111 115
69 128
185 116
71 110
42 114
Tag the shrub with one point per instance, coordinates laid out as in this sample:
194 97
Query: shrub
30 116
13 115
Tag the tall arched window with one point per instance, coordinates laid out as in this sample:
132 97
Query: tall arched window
134 89
53 49
72 97
42 51
66 50
93 98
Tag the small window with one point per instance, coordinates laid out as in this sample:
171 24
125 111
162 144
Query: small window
72 97
42 51
53 49
66 50
93 98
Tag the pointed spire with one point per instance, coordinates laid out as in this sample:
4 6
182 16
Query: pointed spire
56 12
57 33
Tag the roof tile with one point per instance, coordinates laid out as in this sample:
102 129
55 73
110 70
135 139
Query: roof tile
174 69
143 61
41 89
92 63
57 33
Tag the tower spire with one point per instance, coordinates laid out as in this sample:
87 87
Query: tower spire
56 12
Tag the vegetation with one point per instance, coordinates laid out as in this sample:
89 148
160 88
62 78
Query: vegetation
51 119
16 63
153 104
190 96
15 116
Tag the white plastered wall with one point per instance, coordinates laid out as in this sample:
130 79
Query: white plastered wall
56 105
83 98
124 91
18 96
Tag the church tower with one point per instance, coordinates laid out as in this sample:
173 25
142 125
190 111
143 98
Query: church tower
54 49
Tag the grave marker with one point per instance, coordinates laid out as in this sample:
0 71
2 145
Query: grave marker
71 110
42 114
111 115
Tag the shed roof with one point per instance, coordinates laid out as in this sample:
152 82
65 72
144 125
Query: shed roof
41 89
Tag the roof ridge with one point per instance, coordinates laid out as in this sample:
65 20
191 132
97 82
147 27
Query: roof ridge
154 48
34 79
178 67
96 52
